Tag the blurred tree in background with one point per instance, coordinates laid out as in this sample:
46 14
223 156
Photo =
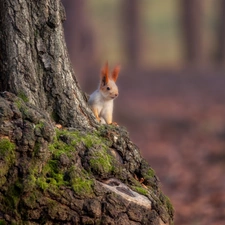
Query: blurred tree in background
131 17
192 30
147 34
80 36
221 33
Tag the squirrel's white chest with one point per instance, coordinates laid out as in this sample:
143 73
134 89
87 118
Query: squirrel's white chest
98 101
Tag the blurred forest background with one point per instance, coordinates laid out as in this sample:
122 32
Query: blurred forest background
172 89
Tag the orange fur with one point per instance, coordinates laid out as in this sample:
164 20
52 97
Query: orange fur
115 73
105 74
95 111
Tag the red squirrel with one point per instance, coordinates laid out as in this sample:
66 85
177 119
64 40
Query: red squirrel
101 101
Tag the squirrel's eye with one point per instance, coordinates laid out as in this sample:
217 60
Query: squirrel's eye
108 88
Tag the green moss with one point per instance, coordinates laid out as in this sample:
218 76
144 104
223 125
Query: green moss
150 173
41 124
6 146
81 181
12 196
22 107
7 150
54 174
141 190
166 201
169 206
31 181
101 161
59 146
50 177
67 141
82 186
19 103
3 222
42 183
23 96
90 140
149 177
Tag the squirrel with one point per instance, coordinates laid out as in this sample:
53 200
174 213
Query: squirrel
101 100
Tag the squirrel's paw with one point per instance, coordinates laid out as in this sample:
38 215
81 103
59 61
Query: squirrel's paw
114 123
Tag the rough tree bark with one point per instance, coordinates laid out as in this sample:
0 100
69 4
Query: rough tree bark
34 61
82 174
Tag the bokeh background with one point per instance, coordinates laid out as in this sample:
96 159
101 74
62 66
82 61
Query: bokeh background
172 89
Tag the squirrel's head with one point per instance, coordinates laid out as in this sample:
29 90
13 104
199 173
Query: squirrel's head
108 87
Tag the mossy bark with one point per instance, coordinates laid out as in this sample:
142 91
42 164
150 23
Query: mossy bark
82 174
71 176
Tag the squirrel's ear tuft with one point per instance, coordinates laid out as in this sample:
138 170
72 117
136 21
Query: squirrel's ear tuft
115 73
105 74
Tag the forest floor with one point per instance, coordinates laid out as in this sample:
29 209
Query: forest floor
178 121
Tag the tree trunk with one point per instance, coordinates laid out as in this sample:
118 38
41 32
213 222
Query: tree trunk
131 31
192 27
34 61
73 175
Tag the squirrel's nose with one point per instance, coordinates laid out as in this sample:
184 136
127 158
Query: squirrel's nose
116 95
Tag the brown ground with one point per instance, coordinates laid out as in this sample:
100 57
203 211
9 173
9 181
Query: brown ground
178 121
